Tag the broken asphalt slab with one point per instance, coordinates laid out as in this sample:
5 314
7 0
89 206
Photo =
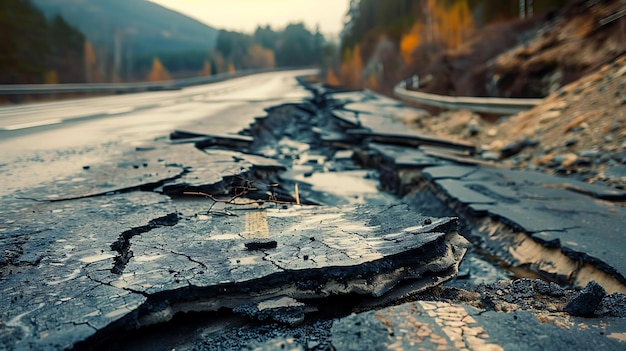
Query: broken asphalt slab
177 260
558 213
571 219
166 168
377 118
48 298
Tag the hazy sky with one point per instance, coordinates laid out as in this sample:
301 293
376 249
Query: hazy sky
246 15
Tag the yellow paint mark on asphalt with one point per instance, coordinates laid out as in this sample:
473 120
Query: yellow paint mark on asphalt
618 336
256 225
561 321
459 326
411 331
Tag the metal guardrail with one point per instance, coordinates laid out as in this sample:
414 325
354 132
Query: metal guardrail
17 89
476 104
21 89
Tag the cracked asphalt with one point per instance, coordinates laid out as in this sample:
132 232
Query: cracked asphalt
281 215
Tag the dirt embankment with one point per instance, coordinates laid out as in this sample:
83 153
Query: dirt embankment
585 35
579 129
530 58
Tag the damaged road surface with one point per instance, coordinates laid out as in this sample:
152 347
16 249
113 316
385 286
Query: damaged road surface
181 263
261 223
300 254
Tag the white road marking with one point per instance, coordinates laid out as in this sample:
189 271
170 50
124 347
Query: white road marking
33 124
167 103
117 111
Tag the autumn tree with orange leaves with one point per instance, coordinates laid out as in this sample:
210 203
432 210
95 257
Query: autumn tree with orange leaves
446 23
92 71
351 68
260 57
158 72
331 78
206 68
408 24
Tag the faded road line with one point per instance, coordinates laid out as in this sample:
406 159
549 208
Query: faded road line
118 111
461 328
33 124
256 225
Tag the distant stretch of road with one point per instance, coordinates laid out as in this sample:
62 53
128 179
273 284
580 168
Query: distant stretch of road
43 141
28 116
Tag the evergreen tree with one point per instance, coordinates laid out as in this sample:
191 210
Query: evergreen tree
32 48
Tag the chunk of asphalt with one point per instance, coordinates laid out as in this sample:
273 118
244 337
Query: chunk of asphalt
613 305
261 245
513 148
585 302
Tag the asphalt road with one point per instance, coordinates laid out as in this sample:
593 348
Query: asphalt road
44 141
105 242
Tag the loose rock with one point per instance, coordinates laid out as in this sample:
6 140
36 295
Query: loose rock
586 301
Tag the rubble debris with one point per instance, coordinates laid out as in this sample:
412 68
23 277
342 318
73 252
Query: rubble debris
287 344
613 305
577 119
513 148
549 288
585 302
451 318
308 336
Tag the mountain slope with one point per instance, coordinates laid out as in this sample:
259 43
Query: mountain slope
142 27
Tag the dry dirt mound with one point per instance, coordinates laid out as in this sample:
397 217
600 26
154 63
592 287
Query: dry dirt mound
579 130
528 58
585 35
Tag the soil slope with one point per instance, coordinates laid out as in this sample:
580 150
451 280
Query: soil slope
580 128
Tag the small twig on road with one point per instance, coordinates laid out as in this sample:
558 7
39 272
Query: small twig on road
240 187
297 194
272 199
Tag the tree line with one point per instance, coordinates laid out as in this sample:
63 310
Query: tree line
293 46
385 39
36 49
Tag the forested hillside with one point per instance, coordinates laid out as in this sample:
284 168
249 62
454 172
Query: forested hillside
293 46
35 49
126 35
135 40
388 40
